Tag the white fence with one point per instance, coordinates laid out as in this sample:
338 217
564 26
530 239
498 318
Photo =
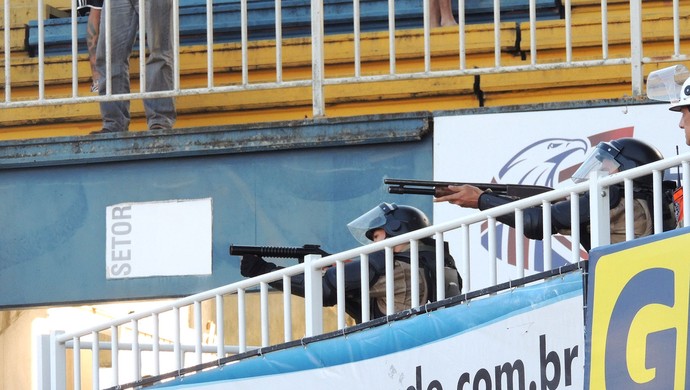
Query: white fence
53 349
318 80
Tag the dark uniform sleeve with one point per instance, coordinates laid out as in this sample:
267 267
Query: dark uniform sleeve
560 213
353 285
532 217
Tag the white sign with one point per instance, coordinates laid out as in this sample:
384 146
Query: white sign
166 238
534 147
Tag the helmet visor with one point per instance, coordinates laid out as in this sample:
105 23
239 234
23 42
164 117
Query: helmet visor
601 158
665 84
372 219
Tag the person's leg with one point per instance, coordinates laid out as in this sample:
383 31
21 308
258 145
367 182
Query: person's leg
434 13
93 27
160 112
124 27
446 10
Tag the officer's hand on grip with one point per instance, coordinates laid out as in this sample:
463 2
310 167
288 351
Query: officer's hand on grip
253 265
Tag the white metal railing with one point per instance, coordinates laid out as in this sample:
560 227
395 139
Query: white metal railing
53 354
318 79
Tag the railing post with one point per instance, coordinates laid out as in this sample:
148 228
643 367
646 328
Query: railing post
317 58
58 379
43 360
313 297
599 215
637 74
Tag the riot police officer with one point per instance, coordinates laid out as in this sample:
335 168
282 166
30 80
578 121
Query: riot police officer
682 105
618 155
383 221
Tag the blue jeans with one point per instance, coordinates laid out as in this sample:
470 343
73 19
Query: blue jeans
160 112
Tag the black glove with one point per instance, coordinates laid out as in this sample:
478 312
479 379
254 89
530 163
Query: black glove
253 265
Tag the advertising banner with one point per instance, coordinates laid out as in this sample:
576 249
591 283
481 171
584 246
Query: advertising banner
527 338
637 314
535 148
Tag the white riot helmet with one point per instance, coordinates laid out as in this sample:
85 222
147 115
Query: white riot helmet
670 84
683 98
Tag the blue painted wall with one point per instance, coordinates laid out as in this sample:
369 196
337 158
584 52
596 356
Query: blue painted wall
52 248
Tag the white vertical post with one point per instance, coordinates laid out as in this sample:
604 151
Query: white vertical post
604 30
466 266
198 332
41 51
461 37
108 47
114 353
440 267
629 209
390 281
391 36
43 362
340 290
533 31
575 227
317 58
241 320
658 201
287 308
136 351
8 50
220 327
414 272
244 39
177 344
313 297
676 28
364 277
546 234
209 44
568 32
76 362
95 361
142 46
493 262
75 49
599 215
357 37
520 242
427 35
265 329
156 344
636 51
58 376
497 33
279 40
176 44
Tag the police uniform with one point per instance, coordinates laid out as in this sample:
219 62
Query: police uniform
561 222
395 220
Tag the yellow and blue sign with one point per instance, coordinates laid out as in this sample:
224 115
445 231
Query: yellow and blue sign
638 300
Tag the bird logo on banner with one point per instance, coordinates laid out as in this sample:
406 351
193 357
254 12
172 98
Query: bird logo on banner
546 162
